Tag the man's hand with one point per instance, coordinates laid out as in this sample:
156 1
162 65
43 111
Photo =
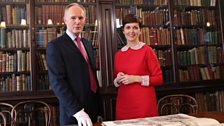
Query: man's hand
83 118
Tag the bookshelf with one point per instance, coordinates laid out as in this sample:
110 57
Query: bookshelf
26 28
15 47
166 37
49 25
187 36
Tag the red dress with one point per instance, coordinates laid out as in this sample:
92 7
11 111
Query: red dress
135 100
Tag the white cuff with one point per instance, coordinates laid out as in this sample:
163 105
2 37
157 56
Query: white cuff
83 118
116 84
145 80
79 113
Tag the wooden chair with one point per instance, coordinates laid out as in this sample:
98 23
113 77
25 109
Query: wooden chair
177 103
32 113
2 119
6 110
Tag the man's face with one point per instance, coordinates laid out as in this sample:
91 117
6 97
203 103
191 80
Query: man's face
75 19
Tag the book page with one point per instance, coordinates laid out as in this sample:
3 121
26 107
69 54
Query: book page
169 120
221 124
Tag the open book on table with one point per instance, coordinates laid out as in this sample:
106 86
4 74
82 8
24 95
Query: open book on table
168 120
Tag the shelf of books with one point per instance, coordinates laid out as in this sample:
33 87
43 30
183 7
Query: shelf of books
26 28
198 43
14 47
155 31
49 25
210 101
186 36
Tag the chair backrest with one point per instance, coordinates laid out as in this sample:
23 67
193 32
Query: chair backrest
32 113
177 103
6 110
2 119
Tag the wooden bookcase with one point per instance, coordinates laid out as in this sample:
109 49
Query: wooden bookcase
187 36
38 32
23 46
23 68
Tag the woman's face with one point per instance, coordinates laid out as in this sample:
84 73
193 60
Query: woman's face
132 32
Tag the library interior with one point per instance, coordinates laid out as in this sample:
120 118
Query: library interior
187 37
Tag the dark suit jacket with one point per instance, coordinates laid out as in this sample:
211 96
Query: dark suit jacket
69 78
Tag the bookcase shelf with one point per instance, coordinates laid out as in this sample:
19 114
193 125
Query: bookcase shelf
192 32
26 95
14 2
46 32
43 22
164 15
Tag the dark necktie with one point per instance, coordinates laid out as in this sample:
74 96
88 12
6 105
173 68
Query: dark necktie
92 79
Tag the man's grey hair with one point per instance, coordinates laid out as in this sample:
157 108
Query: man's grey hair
74 4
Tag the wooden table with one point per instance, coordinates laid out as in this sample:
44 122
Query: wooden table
97 124
215 115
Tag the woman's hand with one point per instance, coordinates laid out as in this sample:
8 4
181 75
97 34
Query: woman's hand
129 79
119 77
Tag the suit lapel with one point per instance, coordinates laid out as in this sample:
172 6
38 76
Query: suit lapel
86 44
70 43
73 46
88 49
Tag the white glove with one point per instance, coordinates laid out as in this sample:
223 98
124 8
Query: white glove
83 118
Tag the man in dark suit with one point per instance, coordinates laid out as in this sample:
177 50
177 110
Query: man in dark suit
72 71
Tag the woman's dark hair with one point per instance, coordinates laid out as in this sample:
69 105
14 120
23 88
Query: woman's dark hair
131 18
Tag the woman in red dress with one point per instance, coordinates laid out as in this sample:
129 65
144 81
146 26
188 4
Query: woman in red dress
136 71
